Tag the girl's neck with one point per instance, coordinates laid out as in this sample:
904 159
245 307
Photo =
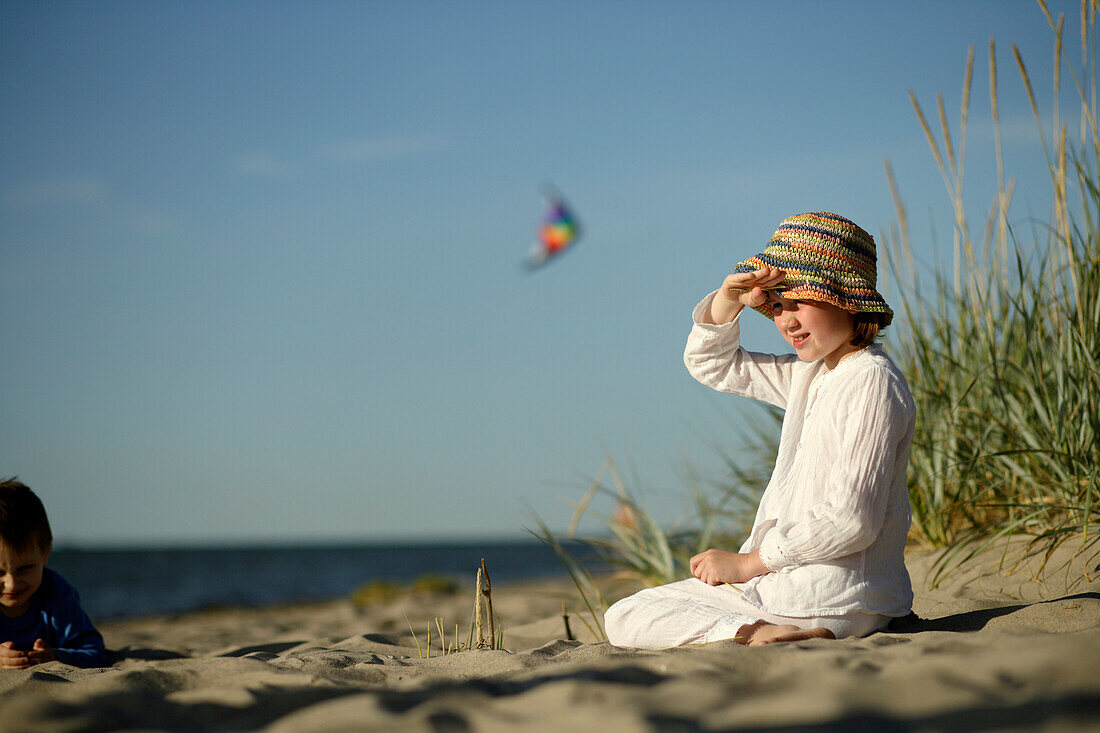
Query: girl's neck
832 363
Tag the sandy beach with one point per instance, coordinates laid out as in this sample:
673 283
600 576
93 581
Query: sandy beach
991 652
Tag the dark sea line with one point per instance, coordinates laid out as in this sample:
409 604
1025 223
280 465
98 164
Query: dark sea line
117 583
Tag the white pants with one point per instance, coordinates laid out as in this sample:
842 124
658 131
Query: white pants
692 612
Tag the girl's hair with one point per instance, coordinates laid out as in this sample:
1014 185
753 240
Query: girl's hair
866 328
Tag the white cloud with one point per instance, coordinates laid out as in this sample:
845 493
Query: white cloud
368 149
76 190
126 216
261 164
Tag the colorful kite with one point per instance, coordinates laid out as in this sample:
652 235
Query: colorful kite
559 230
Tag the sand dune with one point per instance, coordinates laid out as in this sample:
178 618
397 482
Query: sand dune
991 652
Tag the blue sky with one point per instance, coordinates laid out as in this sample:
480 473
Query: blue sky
260 260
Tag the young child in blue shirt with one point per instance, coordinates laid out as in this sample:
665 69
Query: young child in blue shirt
40 615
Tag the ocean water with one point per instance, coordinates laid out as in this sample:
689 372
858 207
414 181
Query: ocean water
121 583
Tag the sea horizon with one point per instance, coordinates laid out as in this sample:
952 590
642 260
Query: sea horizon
189 543
120 582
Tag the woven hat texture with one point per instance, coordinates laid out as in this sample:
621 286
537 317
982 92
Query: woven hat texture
826 258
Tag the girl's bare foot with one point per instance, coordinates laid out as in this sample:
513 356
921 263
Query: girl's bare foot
761 633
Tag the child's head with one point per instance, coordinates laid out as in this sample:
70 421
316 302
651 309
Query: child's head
23 522
827 259
25 543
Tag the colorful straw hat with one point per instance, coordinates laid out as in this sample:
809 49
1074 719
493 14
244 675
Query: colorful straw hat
826 258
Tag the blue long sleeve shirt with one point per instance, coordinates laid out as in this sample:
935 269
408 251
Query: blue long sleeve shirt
57 618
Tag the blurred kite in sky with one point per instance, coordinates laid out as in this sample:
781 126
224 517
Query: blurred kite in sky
558 231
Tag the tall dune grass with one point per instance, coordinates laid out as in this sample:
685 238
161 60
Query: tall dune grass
1002 352
647 550
650 550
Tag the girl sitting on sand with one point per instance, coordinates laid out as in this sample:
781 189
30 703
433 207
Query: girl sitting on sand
825 557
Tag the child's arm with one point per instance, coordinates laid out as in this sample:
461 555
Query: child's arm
739 290
75 639
78 641
713 354
83 648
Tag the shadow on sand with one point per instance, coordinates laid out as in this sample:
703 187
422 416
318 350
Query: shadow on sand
971 620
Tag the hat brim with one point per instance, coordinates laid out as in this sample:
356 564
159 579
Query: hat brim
807 282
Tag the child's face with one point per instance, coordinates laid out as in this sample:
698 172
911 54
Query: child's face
816 330
20 576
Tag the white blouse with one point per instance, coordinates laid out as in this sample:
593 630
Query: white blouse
833 520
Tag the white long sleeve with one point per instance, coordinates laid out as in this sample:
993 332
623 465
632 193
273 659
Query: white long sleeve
714 357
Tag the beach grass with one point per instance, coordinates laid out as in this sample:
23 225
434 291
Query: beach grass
482 614
644 551
648 552
1001 351
1002 354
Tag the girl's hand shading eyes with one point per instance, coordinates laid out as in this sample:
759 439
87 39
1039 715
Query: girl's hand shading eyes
743 288
748 288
